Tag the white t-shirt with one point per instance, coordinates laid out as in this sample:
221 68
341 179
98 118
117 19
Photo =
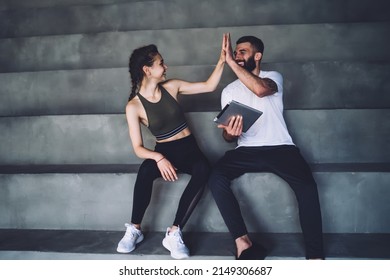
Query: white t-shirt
270 129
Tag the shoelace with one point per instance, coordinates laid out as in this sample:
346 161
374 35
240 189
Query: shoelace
130 232
178 236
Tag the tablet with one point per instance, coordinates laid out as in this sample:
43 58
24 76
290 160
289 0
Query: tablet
234 108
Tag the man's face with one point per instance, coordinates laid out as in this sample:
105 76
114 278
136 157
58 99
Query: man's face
245 56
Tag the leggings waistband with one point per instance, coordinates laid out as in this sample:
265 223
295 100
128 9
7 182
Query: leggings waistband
176 143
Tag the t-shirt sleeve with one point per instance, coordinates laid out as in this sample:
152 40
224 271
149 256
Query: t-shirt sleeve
226 97
277 78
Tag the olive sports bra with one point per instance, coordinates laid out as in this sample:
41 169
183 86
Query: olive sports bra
165 117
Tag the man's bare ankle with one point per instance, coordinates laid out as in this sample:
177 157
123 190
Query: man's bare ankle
242 243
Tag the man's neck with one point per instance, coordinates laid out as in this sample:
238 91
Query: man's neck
256 71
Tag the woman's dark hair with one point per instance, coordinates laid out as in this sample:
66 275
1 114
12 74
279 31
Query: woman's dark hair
138 59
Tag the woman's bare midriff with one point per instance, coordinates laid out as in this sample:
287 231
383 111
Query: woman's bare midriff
184 133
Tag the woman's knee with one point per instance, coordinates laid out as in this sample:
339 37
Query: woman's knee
148 169
201 168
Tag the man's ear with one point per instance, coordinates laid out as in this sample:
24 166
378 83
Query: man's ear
258 56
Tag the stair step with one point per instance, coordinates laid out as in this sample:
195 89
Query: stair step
102 244
133 168
98 200
106 91
325 136
112 49
22 4
186 13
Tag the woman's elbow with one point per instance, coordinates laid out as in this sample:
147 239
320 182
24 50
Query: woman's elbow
210 88
137 152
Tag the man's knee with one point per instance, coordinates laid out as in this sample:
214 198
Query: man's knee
218 180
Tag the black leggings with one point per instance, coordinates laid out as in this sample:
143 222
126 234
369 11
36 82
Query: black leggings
186 156
286 162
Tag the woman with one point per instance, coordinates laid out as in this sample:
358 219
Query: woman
153 102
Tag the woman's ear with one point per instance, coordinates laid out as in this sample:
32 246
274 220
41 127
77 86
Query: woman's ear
146 70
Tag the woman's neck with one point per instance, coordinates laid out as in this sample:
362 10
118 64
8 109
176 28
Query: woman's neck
150 90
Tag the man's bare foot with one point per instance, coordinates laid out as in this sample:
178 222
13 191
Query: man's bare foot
242 243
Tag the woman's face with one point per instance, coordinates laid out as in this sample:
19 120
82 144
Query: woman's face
158 69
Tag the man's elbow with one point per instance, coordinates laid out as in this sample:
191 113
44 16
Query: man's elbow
263 92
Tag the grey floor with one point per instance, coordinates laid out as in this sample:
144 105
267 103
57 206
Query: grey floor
76 244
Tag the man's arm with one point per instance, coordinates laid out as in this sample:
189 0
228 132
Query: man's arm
259 86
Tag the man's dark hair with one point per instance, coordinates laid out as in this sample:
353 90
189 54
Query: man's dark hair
254 41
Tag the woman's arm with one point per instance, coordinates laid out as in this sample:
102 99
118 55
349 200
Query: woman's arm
168 171
133 123
184 87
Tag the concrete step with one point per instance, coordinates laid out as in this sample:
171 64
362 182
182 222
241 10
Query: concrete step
328 42
354 199
324 136
92 18
86 245
22 4
105 91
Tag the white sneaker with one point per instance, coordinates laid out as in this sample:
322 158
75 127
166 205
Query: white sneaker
132 237
173 242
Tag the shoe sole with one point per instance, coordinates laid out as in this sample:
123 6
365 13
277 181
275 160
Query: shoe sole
139 239
173 255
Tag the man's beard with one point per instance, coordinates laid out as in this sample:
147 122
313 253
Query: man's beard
249 64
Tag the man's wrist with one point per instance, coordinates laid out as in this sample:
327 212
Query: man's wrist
228 137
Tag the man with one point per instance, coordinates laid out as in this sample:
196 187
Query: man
266 146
